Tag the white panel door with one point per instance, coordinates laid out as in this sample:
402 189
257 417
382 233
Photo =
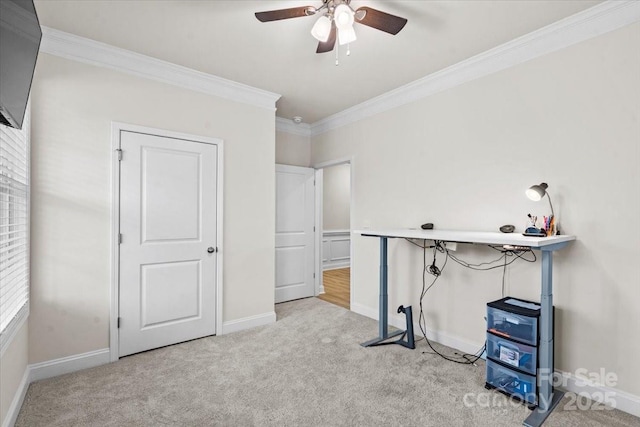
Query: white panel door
168 253
295 205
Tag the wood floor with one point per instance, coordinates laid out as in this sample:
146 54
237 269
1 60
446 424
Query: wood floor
336 287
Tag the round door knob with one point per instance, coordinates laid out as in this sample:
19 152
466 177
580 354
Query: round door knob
211 250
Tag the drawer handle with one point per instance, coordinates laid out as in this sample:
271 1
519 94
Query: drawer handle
499 333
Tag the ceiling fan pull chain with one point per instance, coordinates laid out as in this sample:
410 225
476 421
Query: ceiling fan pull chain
337 51
348 49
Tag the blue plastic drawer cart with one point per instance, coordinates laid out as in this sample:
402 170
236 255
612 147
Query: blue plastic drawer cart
512 348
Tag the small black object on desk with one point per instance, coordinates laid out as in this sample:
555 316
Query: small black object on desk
507 228
427 226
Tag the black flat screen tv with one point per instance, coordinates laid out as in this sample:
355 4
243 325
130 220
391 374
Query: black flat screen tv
20 36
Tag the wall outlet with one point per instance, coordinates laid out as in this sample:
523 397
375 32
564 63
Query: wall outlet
452 246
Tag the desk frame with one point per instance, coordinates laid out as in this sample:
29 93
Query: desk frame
548 398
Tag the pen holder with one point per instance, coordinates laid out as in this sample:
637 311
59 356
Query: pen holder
551 226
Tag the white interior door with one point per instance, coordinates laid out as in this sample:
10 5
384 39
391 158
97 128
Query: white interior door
295 205
168 251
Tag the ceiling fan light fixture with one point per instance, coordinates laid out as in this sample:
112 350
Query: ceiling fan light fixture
343 16
346 35
321 29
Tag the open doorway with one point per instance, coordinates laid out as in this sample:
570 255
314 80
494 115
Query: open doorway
333 185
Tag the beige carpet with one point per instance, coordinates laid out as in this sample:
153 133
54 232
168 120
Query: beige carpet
307 369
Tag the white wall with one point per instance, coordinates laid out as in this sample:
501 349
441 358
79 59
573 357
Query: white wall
336 195
292 149
72 108
13 365
462 159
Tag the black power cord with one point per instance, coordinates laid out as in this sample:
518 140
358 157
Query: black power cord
468 359
433 269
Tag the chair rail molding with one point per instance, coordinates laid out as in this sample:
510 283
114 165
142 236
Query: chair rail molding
336 249
81 49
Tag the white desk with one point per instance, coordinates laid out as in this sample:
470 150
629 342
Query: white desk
547 397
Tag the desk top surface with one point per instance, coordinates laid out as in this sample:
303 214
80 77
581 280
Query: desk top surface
482 237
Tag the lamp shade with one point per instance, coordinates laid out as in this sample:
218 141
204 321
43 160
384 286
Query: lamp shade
321 29
343 16
537 192
346 35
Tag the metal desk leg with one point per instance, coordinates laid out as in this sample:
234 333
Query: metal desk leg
383 303
548 398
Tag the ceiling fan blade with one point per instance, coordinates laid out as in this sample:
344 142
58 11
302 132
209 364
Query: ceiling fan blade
294 12
330 43
380 20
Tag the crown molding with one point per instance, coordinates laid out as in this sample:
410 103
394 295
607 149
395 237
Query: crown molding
288 126
76 48
595 21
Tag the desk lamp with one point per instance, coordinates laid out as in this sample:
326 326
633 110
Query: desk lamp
537 192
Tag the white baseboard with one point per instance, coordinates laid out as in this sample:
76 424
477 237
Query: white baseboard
621 400
248 322
66 365
16 404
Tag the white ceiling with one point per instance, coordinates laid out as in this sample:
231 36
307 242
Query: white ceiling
225 39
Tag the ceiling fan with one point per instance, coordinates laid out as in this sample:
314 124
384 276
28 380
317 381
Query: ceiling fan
337 20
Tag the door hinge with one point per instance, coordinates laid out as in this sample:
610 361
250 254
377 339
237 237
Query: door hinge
119 151
120 238
119 322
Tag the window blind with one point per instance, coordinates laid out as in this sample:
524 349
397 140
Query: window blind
14 224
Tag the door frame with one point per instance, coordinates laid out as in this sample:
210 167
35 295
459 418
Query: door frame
319 175
114 308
